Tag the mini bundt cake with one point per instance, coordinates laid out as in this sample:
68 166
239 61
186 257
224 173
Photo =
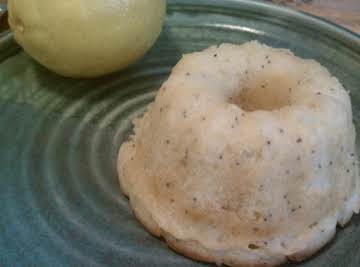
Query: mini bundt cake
246 158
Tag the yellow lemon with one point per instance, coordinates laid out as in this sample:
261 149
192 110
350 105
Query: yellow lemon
86 38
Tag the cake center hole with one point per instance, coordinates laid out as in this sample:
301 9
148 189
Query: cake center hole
272 96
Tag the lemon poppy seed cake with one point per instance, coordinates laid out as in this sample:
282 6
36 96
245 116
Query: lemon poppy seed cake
245 158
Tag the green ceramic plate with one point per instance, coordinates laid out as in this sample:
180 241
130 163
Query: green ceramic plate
60 203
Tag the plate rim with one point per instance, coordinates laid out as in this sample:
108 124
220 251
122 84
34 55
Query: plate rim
342 34
324 24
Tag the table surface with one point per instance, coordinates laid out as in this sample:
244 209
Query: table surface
343 12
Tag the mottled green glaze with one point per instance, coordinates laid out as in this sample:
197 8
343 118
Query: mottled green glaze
60 203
